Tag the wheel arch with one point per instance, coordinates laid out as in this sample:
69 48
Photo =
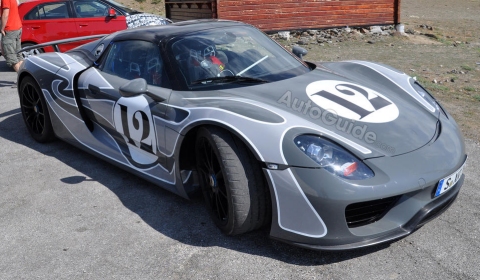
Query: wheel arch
21 76
186 156
185 150
32 43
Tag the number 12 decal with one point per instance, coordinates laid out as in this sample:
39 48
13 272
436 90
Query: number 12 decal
133 119
352 101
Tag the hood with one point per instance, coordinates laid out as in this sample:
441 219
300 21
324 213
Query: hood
370 104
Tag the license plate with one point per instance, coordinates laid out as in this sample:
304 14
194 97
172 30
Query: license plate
448 182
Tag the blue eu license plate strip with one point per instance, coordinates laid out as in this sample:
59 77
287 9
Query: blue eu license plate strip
448 182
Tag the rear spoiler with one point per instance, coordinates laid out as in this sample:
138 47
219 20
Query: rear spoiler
33 50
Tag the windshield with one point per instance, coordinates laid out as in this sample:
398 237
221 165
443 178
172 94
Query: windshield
243 54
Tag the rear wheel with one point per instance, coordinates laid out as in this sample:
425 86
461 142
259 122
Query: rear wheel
34 111
231 181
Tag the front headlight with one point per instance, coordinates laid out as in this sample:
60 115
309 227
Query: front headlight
333 158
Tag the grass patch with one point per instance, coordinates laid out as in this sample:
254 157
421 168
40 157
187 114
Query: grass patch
437 87
477 97
431 86
444 41
453 78
466 68
469 89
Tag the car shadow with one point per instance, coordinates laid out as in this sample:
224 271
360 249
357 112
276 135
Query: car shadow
186 221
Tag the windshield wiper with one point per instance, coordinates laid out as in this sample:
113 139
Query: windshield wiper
229 79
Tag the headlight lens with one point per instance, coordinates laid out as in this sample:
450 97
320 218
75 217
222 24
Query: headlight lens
333 158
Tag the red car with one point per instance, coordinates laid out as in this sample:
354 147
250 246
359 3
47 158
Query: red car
51 20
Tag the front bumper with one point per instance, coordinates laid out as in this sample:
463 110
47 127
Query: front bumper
423 216
309 204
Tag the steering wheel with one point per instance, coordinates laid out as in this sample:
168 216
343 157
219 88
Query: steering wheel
225 73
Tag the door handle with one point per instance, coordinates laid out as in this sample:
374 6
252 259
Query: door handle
83 25
94 89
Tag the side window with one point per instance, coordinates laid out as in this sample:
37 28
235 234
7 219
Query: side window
89 9
48 11
136 59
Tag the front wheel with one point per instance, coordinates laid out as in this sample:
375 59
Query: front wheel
231 181
34 111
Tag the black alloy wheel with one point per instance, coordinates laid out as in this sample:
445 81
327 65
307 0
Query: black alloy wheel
34 111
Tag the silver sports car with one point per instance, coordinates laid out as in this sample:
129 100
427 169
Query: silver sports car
329 156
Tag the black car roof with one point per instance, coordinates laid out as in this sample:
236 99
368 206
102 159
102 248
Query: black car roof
158 33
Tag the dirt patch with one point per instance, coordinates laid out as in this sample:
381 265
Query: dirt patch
422 40
156 7
441 49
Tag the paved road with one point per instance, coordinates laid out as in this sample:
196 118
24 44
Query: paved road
66 215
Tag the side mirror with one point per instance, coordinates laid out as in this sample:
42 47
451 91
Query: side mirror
133 88
137 87
112 13
299 51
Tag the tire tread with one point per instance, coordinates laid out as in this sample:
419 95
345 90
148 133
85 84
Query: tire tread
244 181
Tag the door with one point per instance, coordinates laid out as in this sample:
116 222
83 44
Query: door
92 18
49 22
131 119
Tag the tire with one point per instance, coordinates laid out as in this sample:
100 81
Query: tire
232 182
34 111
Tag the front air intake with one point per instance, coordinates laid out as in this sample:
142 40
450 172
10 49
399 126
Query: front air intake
367 212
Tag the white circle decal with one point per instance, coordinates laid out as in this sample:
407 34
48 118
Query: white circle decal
133 120
352 101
